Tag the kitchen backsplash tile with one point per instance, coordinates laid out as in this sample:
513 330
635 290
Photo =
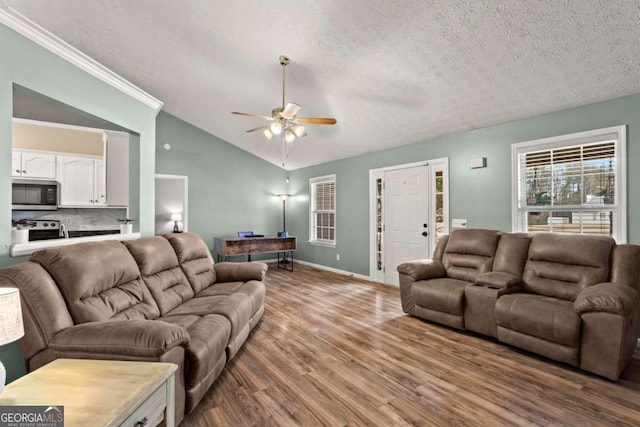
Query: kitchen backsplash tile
77 219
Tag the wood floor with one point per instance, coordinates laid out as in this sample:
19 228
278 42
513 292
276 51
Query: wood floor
333 350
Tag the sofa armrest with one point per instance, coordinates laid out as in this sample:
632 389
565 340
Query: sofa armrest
129 338
607 297
422 269
498 279
239 271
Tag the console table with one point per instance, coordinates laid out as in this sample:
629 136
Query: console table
100 392
225 247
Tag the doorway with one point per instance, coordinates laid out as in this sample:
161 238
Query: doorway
172 202
409 212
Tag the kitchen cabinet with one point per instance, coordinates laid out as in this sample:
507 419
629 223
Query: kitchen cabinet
82 181
117 168
33 164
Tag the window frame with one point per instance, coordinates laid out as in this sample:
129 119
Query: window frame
312 225
518 207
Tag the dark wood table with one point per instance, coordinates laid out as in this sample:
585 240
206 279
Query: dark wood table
225 247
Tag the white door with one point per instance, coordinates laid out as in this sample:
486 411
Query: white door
76 176
406 218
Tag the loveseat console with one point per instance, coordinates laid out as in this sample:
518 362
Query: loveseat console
571 298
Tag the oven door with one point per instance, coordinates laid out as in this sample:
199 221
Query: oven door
43 234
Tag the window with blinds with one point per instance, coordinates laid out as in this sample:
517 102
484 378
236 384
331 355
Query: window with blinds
323 210
571 184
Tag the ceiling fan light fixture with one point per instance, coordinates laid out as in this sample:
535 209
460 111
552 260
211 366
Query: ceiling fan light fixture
299 131
268 133
276 128
289 136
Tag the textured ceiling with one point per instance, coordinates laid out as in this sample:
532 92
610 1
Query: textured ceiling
391 72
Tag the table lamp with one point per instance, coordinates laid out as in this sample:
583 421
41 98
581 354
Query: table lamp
11 327
175 217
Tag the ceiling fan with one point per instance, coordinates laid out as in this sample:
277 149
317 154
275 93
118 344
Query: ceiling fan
283 120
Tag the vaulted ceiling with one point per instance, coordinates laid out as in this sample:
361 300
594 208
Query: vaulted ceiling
391 72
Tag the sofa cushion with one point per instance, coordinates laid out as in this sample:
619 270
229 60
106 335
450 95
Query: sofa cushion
550 319
253 289
161 272
446 295
195 259
99 281
237 308
561 266
208 336
469 253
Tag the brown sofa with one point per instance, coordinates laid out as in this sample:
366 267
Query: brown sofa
571 298
153 299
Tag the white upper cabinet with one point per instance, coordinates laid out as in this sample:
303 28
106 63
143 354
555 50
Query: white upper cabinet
81 181
33 164
117 168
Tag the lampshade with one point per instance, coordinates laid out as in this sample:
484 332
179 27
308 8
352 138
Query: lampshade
289 136
268 133
276 128
176 216
299 131
284 197
11 327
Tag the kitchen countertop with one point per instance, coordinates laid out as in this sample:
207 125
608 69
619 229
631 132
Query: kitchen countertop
19 249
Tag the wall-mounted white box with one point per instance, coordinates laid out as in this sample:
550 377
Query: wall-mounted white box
458 223
479 162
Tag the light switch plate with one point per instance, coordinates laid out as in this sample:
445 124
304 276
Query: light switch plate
458 223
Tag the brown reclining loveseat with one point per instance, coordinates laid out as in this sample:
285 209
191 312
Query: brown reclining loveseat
153 299
571 298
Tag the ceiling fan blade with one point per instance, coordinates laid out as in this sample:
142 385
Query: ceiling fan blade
252 115
258 128
317 120
290 110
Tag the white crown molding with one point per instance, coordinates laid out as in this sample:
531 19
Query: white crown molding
29 29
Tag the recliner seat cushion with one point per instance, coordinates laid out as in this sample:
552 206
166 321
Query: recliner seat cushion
550 319
446 295
562 266
98 281
253 289
161 272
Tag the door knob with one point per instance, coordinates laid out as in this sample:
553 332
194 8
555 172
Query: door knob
425 234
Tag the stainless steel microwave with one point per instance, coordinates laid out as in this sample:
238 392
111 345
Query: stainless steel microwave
34 195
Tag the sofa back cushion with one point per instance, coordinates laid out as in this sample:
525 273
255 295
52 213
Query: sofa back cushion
469 253
194 258
44 311
511 254
99 281
161 272
560 265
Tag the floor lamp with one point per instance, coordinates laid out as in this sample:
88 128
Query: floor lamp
284 198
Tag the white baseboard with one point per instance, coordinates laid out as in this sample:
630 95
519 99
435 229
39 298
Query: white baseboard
324 267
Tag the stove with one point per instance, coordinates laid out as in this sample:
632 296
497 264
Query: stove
44 230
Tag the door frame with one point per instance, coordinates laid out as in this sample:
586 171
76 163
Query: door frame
185 201
442 163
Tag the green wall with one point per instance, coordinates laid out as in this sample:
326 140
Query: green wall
230 190
482 196
29 65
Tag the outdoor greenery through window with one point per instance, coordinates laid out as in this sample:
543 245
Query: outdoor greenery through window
571 185
323 210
